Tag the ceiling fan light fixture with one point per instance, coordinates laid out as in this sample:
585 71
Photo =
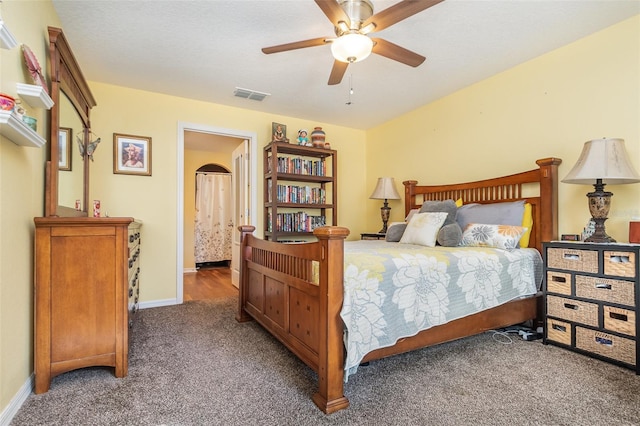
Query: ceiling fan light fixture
352 47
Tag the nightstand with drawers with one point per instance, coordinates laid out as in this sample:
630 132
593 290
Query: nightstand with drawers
591 300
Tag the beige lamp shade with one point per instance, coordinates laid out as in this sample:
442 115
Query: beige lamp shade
385 190
605 159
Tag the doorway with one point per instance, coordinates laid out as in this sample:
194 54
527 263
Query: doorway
210 137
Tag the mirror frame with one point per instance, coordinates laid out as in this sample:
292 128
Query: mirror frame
67 76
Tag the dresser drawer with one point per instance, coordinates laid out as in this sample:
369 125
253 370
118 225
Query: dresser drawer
573 310
620 263
606 290
559 282
607 345
573 259
620 320
559 331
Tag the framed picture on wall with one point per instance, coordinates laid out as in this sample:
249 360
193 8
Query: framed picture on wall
64 148
131 155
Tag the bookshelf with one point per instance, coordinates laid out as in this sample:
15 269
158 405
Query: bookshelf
300 191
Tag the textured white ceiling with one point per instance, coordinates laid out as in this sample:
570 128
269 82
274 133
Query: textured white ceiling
205 49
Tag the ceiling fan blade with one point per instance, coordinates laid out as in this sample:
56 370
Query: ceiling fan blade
396 13
337 72
320 41
333 11
397 53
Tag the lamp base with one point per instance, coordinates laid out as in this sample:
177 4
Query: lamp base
384 213
599 205
600 236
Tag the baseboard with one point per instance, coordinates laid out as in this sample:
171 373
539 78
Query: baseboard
158 303
190 270
12 409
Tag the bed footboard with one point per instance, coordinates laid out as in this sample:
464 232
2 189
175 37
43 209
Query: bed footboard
295 292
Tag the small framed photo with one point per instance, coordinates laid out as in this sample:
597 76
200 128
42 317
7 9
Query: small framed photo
64 148
278 132
131 155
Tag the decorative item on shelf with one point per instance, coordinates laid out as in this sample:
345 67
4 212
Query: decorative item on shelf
327 145
18 109
279 133
33 66
96 208
31 122
317 137
604 161
385 190
6 102
303 138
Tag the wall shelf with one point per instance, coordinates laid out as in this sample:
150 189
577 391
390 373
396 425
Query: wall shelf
13 128
7 41
35 95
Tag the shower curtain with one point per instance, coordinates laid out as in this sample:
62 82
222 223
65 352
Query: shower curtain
214 220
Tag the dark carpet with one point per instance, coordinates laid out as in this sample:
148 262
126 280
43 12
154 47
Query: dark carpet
193 364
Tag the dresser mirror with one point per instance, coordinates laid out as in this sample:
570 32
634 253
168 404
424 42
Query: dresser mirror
70 162
67 175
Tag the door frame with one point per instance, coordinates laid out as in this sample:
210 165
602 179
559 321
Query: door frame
253 165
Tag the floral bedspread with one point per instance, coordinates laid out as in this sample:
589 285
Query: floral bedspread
394 290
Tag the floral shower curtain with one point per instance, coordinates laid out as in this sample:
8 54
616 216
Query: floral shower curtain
214 221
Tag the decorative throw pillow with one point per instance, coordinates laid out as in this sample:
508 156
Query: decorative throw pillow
488 235
423 229
527 222
410 215
450 234
507 213
395 231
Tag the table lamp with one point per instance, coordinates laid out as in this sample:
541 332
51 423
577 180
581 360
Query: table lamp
603 161
385 190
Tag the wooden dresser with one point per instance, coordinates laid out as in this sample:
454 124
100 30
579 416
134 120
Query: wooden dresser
591 293
86 292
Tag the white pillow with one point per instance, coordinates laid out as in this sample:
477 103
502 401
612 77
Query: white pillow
423 228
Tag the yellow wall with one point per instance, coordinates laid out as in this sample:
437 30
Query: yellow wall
547 107
193 160
21 199
153 199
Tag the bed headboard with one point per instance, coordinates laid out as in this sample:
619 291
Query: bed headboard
543 180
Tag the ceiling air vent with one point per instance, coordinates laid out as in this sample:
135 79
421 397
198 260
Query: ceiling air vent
250 94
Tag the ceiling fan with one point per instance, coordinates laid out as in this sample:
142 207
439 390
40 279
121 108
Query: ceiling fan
353 21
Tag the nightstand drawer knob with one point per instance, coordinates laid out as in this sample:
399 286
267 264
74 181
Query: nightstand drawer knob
619 259
604 341
603 286
571 256
619 317
558 279
571 306
559 327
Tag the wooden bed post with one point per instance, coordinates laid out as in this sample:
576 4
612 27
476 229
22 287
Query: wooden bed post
330 396
245 230
548 199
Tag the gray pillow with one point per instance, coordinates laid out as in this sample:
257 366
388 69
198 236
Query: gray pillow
395 231
450 235
507 213
448 206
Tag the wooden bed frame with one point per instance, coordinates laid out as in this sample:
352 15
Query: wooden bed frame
295 291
